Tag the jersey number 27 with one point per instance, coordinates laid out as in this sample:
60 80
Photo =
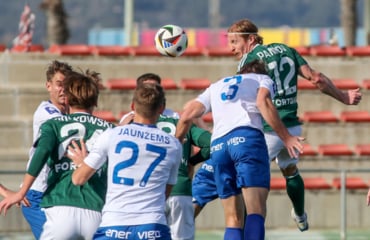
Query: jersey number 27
132 160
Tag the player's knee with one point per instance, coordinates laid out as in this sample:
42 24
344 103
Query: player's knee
289 171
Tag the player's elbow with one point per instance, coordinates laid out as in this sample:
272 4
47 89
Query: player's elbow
77 180
318 79
192 110
262 104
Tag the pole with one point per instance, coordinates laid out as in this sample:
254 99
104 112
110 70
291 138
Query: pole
343 202
367 21
214 14
128 21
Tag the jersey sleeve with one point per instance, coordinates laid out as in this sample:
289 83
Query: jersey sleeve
202 139
205 99
177 160
267 82
44 112
45 145
300 60
99 153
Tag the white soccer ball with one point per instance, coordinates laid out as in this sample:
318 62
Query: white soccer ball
171 40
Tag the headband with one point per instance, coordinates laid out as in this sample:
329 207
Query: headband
242 33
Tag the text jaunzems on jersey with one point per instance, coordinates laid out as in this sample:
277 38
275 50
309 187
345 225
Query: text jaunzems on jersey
145 135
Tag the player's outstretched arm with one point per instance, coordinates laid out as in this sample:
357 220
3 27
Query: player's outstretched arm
17 197
326 86
192 109
4 192
270 114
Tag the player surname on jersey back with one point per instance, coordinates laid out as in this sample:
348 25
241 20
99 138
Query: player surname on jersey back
271 51
86 118
145 135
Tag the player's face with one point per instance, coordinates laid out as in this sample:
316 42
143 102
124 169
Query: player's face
55 89
237 45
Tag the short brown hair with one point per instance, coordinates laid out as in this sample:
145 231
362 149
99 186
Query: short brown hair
255 66
148 76
148 99
56 66
245 27
82 90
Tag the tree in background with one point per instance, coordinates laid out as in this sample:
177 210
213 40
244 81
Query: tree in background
57 27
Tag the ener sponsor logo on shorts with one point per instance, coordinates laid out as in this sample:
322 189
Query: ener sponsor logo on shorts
235 140
117 234
150 235
216 147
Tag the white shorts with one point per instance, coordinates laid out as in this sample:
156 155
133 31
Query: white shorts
65 222
277 150
180 217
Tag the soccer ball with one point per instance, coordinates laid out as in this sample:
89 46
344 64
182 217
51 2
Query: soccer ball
171 40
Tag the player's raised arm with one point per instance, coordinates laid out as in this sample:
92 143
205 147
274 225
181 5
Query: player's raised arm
192 109
270 114
326 86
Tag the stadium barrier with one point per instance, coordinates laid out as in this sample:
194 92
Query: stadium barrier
194 51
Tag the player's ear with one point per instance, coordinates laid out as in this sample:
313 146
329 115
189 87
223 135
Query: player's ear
47 85
133 106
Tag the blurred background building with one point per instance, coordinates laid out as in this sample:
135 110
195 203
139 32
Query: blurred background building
105 22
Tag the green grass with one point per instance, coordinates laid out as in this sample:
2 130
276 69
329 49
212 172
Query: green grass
209 234
271 234
292 234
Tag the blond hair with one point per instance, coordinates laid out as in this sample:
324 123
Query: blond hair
245 27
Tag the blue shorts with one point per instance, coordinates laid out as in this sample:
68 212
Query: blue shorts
240 160
33 214
145 232
204 187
